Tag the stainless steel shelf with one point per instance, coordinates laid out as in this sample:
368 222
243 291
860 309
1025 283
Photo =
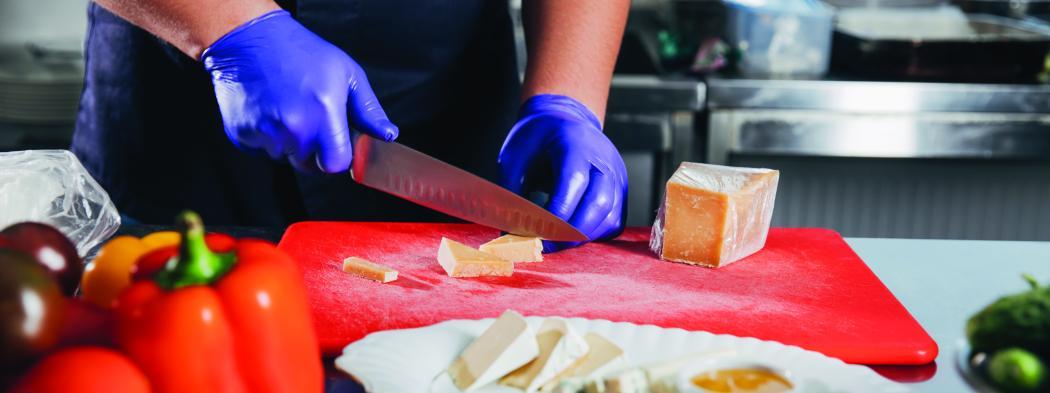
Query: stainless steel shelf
876 97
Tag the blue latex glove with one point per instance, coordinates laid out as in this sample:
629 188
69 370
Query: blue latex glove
284 90
557 138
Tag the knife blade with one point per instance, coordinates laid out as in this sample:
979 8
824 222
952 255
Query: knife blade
408 174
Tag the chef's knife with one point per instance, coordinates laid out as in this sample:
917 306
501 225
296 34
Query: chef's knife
397 169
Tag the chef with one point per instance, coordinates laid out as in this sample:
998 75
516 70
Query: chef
243 109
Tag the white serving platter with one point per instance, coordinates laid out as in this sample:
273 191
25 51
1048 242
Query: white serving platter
414 360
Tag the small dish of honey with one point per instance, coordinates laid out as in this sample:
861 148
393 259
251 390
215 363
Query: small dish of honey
741 380
729 376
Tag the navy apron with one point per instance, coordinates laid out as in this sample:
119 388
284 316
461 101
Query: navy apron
150 132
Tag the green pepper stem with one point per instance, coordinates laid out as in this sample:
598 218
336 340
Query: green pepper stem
195 264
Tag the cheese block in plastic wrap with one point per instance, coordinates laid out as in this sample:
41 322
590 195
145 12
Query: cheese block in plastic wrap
714 215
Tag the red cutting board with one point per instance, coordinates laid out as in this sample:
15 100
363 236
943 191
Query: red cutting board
805 288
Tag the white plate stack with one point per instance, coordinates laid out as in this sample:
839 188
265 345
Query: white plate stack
40 84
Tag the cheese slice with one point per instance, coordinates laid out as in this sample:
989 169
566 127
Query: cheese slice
366 269
460 260
515 248
504 347
560 348
714 215
603 357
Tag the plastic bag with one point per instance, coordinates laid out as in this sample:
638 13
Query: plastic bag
51 186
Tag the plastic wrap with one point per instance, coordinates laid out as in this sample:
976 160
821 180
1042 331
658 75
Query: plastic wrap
714 215
51 186
784 38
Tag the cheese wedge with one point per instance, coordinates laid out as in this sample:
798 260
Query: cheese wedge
515 248
714 215
460 260
368 270
603 357
504 347
560 348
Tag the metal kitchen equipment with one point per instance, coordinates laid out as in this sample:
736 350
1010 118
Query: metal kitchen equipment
1017 9
780 38
941 44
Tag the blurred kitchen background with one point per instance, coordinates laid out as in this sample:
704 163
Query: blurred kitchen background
892 118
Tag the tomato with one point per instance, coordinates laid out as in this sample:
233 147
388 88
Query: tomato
84 370
50 248
32 309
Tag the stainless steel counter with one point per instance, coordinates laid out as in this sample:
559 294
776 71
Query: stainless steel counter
649 93
942 283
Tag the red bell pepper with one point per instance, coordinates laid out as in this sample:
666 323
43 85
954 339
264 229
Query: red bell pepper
229 320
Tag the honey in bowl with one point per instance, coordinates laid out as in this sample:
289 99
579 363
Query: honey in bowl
741 380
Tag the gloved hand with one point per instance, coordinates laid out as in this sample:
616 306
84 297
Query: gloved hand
557 138
283 89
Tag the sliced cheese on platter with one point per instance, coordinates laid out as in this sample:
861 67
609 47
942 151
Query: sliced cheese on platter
460 260
560 348
603 357
504 347
515 248
714 215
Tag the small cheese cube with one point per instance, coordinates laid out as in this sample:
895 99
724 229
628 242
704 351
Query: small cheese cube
714 215
505 346
515 248
366 269
460 260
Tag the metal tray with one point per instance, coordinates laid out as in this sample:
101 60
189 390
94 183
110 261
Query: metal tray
970 48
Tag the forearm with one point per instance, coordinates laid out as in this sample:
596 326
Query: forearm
572 48
190 25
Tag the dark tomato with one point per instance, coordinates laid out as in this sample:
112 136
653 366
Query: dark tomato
32 309
50 248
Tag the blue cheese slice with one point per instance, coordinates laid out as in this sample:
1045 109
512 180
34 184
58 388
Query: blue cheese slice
560 348
653 378
506 346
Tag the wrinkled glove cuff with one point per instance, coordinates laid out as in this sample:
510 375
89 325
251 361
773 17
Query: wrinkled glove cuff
541 103
220 43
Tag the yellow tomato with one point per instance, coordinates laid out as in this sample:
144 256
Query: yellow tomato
106 276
